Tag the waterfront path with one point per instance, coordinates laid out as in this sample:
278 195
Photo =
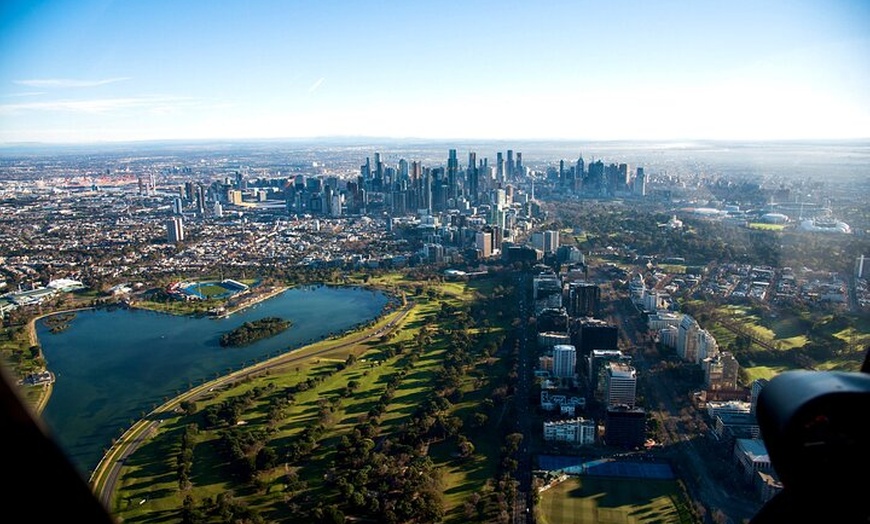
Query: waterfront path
105 476
251 300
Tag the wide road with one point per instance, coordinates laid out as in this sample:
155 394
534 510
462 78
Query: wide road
521 511
105 476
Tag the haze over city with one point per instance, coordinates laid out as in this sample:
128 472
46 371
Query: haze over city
97 71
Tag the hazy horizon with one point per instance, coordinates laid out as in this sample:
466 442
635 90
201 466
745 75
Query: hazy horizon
839 161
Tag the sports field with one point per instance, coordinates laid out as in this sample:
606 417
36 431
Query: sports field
598 500
209 290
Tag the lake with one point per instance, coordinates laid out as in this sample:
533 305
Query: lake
114 366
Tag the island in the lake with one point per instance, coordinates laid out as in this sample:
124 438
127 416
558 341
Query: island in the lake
250 332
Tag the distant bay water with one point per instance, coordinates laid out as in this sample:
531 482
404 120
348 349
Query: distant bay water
112 366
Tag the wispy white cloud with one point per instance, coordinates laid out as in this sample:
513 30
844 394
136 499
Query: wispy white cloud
316 85
100 105
24 94
69 82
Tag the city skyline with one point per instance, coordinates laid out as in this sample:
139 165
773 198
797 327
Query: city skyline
80 72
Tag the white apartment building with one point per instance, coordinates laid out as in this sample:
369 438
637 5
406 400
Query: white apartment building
577 431
564 361
620 384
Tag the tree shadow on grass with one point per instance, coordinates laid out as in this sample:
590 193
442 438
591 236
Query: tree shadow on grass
610 492
360 407
166 515
151 458
209 466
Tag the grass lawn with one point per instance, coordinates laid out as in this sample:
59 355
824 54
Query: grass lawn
766 227
150 473
794 332
784 332
673 269
855 335
211 289
595 500
178 307
766 372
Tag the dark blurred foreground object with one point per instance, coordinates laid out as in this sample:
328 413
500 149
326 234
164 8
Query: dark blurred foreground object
41 482
816 428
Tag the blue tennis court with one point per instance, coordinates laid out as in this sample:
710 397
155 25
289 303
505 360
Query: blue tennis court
605 467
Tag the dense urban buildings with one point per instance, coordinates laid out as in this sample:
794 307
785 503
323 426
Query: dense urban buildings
602 293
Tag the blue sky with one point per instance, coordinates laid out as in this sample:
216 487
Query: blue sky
85 70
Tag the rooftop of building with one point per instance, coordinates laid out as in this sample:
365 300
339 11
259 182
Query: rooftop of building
753 447
622 370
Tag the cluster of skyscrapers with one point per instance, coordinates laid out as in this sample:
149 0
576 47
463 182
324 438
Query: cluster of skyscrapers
461 210
600 179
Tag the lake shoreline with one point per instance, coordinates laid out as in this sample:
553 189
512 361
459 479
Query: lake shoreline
34 341
253 301
33 338
91 397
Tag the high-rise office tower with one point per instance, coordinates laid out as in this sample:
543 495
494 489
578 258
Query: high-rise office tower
365 170
174 230
596 368
509 175
596 177
623 175
189 191
452 174
639 187
472 175
427 190
584 299
564 361
551 241
546 241
687 339
592 334
625 427
390 175
757 386
234 197
335 205
200 200
177 206
579 174
693 343
720 372
483 243
519 170
499 167
620 384
379 173
497 237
